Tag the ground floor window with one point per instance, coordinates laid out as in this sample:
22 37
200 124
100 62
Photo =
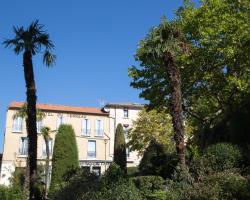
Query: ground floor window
96 170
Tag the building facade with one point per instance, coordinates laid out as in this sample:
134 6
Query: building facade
94 130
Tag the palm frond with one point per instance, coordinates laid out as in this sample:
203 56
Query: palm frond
49 58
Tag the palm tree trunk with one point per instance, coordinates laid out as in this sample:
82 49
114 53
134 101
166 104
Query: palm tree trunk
31 121
176 105
46 167
27 172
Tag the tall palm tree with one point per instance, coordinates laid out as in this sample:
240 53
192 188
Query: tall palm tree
30 42
160 76
45 131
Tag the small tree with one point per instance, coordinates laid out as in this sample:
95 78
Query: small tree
65 155
156 161
120 157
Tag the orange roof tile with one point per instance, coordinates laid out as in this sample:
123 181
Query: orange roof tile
62 108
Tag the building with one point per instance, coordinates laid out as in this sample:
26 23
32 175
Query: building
124 113
94 130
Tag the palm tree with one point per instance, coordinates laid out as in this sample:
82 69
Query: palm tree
160 77
30 42
45 131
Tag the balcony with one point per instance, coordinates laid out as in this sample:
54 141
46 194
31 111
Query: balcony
99 132
91 154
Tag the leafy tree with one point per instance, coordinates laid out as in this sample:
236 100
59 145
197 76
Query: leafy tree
218 64
159 74
157 161
65 155
156 125
30 41
120 157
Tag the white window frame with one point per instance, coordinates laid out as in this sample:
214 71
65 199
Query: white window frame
39 126
23 147
17 126
60 121
99 128
86 127
50 148
125 113
89 152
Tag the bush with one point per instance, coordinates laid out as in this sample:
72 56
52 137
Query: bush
221 156
132 171
81 185
150 187
65 155
156 161
113 174
124 189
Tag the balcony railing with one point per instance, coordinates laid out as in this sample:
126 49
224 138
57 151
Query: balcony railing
23 152
91 154
99 132
86 132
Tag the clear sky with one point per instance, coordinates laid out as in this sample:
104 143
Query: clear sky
95 42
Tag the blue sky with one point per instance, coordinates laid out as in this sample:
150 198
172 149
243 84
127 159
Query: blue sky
95 42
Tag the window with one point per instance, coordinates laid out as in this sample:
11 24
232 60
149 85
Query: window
99 128
23 149
127 152
96 170
126 133
60 121
125 113
17 124
86 168
86 127
50 148
91 149
39 126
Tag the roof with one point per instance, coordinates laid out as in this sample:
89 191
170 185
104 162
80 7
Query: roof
62 108
125 105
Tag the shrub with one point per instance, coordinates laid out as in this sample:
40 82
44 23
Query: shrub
65 155
221 156
81 185
124 189
150 187
132 171
156 161
120 157
113 174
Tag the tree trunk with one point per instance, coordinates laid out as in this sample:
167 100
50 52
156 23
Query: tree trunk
176 105
27 172
31 122
46 167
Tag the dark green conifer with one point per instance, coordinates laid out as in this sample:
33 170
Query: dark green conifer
65 155
120 157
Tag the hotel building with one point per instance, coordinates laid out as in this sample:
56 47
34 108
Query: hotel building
94 130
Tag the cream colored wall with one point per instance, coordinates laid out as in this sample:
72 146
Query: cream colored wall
12 140
118 114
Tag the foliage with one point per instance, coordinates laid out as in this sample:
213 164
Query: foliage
80 185
153 124
113 174
120 157
65 155
157 161
218 64
221 156
32 39
124 189
150 187
132 171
